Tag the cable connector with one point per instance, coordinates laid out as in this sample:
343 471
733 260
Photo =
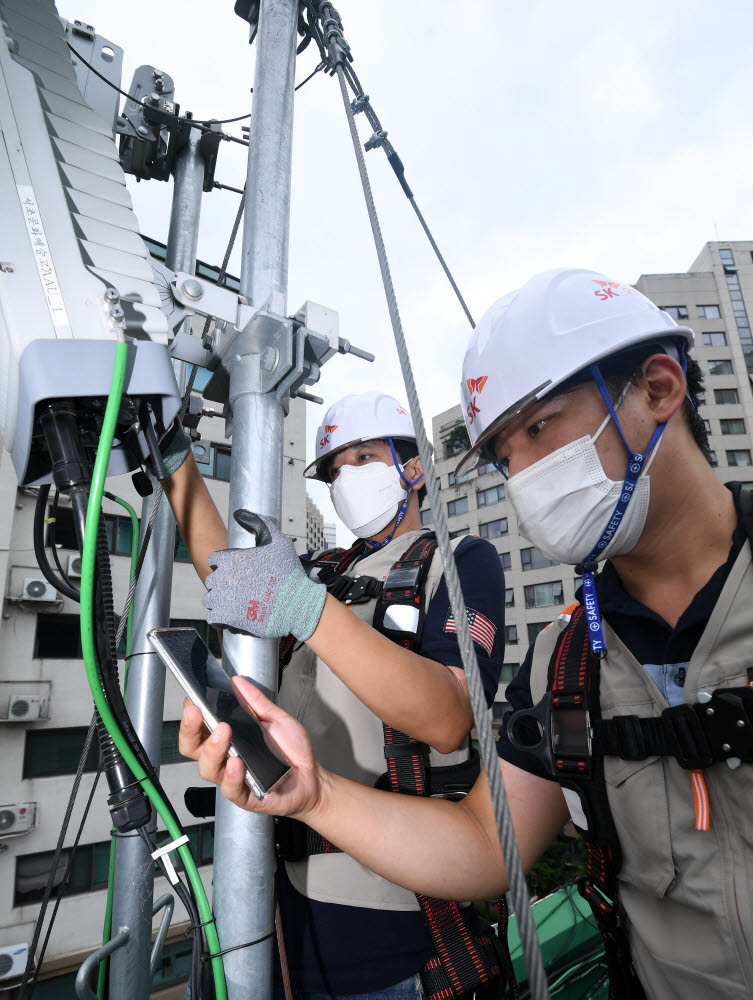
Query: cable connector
360 103
338 49
378 139
162 852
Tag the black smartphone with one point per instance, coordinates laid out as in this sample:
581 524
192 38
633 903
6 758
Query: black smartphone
207 685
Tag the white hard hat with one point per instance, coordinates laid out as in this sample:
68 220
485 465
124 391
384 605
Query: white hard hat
535 338
365 416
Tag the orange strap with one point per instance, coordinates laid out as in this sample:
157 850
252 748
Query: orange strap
701 797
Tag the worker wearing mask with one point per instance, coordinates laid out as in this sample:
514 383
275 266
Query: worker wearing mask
370 665
633 710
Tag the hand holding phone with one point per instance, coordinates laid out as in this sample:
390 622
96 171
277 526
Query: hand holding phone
209 688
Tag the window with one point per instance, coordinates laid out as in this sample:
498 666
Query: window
211 636
676 312
740 456
180 553
726 396
707 312
492 495
493 529
455 481
213 460
460 532
201 381
734 425
509 597
534 628
713 460
707 425
508 672
50 752
119 534
426 516
511 635
506 559
533 559
459 506
721 367
484 469
716 339
91 864
58 638
174 964
456 441
543 595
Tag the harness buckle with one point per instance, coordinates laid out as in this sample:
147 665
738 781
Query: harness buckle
564 745
727 721
686 733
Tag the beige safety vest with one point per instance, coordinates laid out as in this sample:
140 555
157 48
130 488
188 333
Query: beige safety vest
348 739
687 895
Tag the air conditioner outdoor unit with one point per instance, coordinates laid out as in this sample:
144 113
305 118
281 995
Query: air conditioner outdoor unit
25 707
74 567
36 588
13 960
17 819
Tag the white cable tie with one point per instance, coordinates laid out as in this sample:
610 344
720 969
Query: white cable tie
161 852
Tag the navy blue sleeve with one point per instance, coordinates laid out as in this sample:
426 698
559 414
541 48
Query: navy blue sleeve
518 694
483 584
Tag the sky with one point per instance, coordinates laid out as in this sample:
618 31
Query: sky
540 134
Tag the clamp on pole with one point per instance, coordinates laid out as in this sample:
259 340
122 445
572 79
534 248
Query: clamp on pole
162 852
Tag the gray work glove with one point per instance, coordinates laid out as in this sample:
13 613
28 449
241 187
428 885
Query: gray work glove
263 591
174 445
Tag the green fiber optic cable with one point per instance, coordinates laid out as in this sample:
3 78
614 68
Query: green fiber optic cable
107 928
88 647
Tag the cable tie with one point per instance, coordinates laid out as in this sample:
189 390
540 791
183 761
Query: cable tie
162 852
236 947
197 927
49 520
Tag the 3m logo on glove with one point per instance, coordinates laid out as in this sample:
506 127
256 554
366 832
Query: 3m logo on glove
253 611
482 630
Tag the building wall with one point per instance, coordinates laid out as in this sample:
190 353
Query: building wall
704 285
78 927
314 526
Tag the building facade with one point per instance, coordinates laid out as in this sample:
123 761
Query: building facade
714 298
46 708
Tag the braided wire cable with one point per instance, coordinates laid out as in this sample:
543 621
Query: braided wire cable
513 866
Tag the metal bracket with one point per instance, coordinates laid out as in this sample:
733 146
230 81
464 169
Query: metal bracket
378 139
90 964
360 103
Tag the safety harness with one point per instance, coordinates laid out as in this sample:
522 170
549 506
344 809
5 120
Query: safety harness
575 739
465 962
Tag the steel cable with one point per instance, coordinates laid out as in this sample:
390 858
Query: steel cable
515 876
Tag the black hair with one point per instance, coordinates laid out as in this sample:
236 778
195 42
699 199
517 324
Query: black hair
625 367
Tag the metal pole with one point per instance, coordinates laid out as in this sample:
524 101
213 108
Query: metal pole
130 977
243 843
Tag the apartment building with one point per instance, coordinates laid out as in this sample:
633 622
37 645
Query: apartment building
315 539
46 707
715 298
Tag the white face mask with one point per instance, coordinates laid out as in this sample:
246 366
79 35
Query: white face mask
366 497
564 503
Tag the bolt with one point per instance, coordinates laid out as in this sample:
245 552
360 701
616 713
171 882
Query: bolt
726 747
142 130
159 83
154 98
117 313
740 723
112 296
192 288
709 711
7 268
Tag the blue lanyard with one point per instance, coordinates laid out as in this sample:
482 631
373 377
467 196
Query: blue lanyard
589 565
403 505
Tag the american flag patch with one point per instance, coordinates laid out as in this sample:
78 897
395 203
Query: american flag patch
482 630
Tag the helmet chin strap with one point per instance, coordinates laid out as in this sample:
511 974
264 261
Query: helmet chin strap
403 506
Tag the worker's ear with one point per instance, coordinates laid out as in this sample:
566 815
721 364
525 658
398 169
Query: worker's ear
414 470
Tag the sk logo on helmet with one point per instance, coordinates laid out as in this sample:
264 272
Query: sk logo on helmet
474 385
401 410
